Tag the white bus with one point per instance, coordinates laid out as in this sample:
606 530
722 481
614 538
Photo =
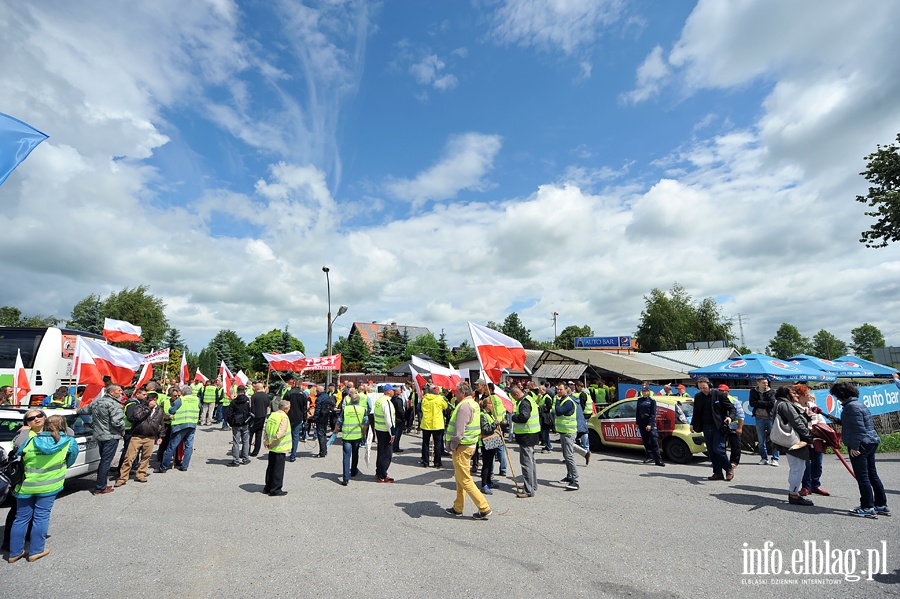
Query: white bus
47 354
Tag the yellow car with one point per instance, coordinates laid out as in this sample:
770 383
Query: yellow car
615 426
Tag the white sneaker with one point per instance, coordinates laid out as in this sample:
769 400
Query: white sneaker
774 463
763 462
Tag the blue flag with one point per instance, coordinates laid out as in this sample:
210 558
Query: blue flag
17 140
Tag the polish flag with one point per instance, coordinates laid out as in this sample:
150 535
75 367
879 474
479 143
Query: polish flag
94 360
496 351
200 377
120 330
294 361
504 398
227 379
21 386
443 377
418 380
146 375
242 378
184 375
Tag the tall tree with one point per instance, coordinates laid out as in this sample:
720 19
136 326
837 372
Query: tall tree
424 344
863 338
173 339
443 348
141 308
787 342
356 350
87 315
827 346
566 337
512 327
270 343
883 174
375 363
671 320
230 348
463 352
208 362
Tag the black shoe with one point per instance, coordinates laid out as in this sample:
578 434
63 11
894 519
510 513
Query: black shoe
399 450
277 493
660 464
344 483
799 500
354 473
453 512
647 460
245 461
182 468
234 464
292 459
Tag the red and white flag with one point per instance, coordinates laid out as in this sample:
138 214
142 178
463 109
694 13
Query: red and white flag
200 377
227 379
440 376
184 375
241 378
504 398
293 361
21 386
146 375
120 330
496 351
94 360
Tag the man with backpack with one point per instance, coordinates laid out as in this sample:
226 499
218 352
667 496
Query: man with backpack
238 416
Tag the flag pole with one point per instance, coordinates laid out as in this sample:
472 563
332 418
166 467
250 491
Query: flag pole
268 373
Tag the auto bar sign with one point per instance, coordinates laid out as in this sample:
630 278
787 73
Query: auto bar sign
622 341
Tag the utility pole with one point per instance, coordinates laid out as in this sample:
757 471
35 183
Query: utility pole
555 314
741 326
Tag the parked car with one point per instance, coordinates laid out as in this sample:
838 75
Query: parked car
13 419
615 426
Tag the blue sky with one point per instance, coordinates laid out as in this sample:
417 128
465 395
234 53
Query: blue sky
451 161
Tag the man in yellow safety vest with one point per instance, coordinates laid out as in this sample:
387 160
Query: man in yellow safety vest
278 442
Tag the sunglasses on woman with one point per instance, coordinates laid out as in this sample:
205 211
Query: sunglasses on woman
35 417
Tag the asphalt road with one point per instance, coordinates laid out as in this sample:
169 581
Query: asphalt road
633 530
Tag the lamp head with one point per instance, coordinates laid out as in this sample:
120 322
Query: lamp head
341 310
325 269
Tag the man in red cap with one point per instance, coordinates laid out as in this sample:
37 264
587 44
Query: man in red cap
737 428
682 391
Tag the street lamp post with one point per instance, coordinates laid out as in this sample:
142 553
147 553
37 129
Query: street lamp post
555 314
341 310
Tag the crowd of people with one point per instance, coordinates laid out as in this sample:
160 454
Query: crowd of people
471 426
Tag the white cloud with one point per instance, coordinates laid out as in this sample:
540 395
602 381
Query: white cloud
429 71
466 160
561 25
650 75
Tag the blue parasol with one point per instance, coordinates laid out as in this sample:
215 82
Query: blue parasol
751 366
838 369
876 369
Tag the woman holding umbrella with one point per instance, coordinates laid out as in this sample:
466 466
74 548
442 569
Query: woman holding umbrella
858 432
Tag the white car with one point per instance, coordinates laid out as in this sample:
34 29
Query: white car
13 419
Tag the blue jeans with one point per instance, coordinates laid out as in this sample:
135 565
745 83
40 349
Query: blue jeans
813 472
715 444
28 508
186 435
240 443
296 431
107 453
351 458
871 491
763 427
502 457
545 439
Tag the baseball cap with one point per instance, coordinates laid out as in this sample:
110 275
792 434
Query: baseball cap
682 387
388 388
724 387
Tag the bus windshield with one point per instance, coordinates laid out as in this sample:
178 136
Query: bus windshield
12 340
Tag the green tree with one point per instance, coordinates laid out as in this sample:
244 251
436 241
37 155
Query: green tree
375 363
425 344
883 174
566 337
863 338
173 365
140 308
392 347
356 350
787 342
173 339
87 315
230 348
670 321
512 327
443 349
827 346
12 317
208 362
270 343
463 352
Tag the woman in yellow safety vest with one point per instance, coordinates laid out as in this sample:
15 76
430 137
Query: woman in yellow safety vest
45 456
